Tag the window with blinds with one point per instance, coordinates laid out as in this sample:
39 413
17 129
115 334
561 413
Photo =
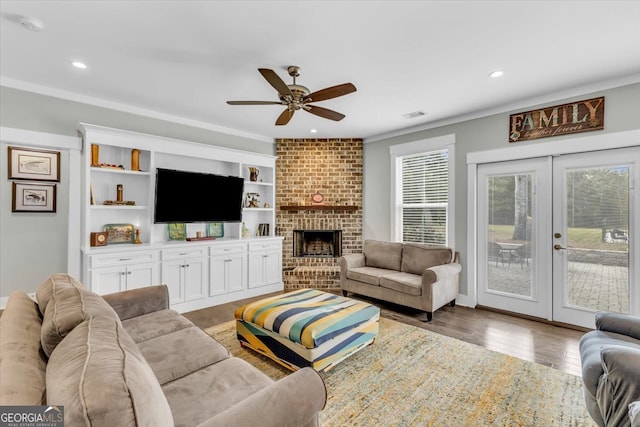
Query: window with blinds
422 197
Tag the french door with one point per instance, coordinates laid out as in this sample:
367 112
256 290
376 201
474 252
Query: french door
558 235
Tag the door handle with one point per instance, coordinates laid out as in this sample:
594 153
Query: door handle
558 247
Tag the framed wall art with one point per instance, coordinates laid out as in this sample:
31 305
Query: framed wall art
215 229
177 231
38 165
33 197
119 233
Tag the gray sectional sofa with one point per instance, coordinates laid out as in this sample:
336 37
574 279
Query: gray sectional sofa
126 359
410 274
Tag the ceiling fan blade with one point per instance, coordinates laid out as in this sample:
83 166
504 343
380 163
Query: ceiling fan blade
253 103
284 118
275 81
330 92
324 112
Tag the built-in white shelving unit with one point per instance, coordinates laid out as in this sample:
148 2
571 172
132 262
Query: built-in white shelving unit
199 273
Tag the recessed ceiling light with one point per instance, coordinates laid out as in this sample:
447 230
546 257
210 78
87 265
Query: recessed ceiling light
314 131
496 73
31 24
78 64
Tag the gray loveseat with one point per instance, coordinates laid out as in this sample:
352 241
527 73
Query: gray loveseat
610 358
410 274
127 360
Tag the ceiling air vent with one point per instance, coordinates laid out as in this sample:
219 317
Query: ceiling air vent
414 114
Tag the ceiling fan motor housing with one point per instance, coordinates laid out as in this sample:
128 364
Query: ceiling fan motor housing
299 92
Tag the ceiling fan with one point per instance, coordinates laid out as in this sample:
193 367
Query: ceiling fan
297 97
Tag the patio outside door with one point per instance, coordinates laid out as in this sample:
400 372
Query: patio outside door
514 219
556 235
593 234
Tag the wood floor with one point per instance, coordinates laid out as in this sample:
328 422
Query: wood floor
546 344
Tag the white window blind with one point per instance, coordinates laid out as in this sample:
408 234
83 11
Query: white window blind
422 197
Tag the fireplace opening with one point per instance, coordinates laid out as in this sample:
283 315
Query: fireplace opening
317 243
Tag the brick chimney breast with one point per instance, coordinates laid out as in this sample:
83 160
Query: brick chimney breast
332 167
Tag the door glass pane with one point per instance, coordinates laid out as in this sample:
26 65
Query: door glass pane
510 230
597 209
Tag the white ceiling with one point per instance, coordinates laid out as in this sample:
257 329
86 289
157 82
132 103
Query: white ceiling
182 60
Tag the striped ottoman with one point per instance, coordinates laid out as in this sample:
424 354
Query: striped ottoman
307 327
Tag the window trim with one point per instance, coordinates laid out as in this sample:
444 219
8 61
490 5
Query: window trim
416 147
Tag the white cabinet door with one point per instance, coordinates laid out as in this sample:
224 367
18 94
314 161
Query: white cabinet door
265 263
264 268
218 279
256 269
195 274
142 275
172 272
272 267
108 280
236 270
228 274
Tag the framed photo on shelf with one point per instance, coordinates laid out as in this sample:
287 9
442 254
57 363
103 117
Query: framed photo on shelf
33 197
215 229
252 200
177 231
119 233
39 165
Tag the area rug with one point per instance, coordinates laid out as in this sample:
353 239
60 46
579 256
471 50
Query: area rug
414 377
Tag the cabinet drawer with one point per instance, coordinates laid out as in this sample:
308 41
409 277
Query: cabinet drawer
265 246
122 258
228 249
185 252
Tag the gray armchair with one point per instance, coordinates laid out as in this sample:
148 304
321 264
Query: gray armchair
610 358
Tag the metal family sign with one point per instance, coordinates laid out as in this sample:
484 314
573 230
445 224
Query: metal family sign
581 116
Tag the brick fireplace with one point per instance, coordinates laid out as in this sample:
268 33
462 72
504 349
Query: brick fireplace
316 234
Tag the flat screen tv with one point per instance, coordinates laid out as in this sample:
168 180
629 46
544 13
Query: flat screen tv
183 196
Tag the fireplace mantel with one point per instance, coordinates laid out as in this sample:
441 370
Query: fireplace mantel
318 208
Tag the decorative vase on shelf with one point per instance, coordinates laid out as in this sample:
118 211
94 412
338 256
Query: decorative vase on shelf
95 155
135 159
253 174
245 231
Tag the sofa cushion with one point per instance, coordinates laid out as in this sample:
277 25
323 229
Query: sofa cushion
45 291
406 283
152 325
418 257
370 275
69 305
383 254
22 365
99 375
232 378
177 354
